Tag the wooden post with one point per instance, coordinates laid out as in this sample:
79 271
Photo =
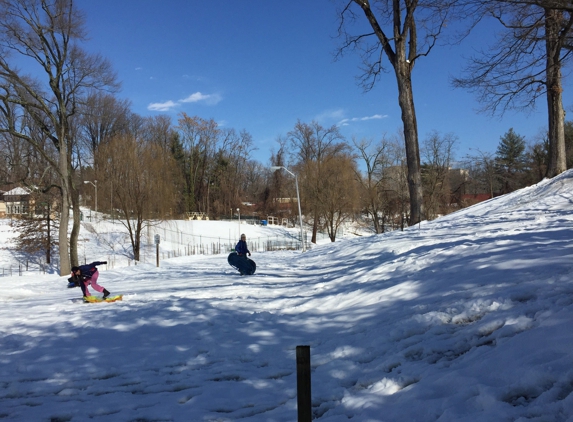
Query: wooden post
304 402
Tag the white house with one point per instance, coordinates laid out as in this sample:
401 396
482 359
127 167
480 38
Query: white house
17 201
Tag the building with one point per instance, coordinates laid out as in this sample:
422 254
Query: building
17 202
2 204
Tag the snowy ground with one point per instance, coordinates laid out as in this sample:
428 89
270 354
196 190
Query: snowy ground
466 318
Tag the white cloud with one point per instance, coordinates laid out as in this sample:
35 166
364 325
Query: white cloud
209 99
194 98
330 115
346 122
166 106
374 116
339 114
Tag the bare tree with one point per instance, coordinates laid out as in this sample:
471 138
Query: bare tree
159 130
237 148
46 33
103 116
376 158
199 138
482 172
395 188
403 31
537 154
525 64
254 180
437 153
143 188
338 198
313 144
278 181
18 159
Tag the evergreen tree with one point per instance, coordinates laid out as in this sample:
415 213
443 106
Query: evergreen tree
510 161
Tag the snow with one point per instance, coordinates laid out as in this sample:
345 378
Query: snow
17 191
465 318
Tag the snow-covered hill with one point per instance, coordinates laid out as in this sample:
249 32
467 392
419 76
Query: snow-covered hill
465 318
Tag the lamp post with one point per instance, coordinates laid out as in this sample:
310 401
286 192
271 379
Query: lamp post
275 168
94 185
239 213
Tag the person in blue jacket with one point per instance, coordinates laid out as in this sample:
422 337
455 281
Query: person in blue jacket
88 275
241 248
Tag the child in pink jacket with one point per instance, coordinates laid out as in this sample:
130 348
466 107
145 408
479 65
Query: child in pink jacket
88 275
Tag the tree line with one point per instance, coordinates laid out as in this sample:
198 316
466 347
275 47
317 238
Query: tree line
63 124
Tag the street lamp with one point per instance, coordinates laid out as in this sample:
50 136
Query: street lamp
239 213
275 168
94 185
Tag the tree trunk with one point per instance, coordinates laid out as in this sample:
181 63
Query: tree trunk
74 235
331 226
376 219
65 267
314 226
406 102
556 114
137 242
405 42
49 235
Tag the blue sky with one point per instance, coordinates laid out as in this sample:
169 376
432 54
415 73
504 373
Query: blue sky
261 65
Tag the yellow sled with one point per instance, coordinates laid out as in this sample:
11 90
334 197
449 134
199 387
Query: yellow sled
97 299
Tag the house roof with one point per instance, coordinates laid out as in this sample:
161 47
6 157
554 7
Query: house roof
18 191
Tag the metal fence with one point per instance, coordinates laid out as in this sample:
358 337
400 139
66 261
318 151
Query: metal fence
20 268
